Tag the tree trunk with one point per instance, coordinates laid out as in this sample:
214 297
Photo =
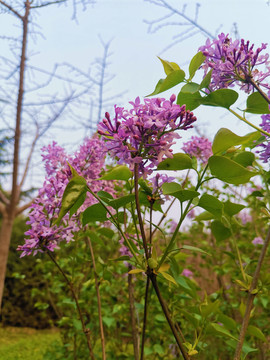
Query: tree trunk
5 236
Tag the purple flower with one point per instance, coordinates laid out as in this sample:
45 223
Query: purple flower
265 125
187 273
145 133
257 241
200 147
235 62
88 162
159 179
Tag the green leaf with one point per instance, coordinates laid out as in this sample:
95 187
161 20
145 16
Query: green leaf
228 322
192 101
256 104
232 208
254 331
169 66
211 204
77 204
168 277
104 195
206 80
175 190
145 187
205 216
72 197
220 231
244 158
122 201
190 88
229 171
93 213
221 330
195 63
179 161
122 258
222 98
107 232
194 248
225 139
210 308
120 172
174 78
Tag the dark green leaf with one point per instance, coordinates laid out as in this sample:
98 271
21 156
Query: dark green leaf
232 208
122 201
192 101
205 216
72 196
178 162
195 63
174 78
222 98
120 172
254 331
206 80
256 104
220 231
229 171
104 195
107 232
211 204
94 213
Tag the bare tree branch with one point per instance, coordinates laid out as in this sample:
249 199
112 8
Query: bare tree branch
3 198
24 207
10 8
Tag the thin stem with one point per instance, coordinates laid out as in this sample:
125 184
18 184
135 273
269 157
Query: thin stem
102 336
85 330
138 208
113 220
164 216
250 299
249 123
145 314
167 315
135 336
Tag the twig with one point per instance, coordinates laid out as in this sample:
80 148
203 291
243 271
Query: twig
85 330
167 315
135 337
145 314
102 337
250 299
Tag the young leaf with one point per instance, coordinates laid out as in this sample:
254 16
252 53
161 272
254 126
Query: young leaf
225 138
194 248
254 331
190 88
221 330
174 78
168 277
195 63
136 271
229 171
120 172
178 162
169 66
256 104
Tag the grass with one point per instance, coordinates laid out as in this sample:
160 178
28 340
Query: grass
25 343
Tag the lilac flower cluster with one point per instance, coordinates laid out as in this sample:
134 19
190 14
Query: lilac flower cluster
258 241
159 179
88 162
265 125
145 133
200 147
235 61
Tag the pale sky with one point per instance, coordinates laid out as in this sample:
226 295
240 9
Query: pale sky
134 62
